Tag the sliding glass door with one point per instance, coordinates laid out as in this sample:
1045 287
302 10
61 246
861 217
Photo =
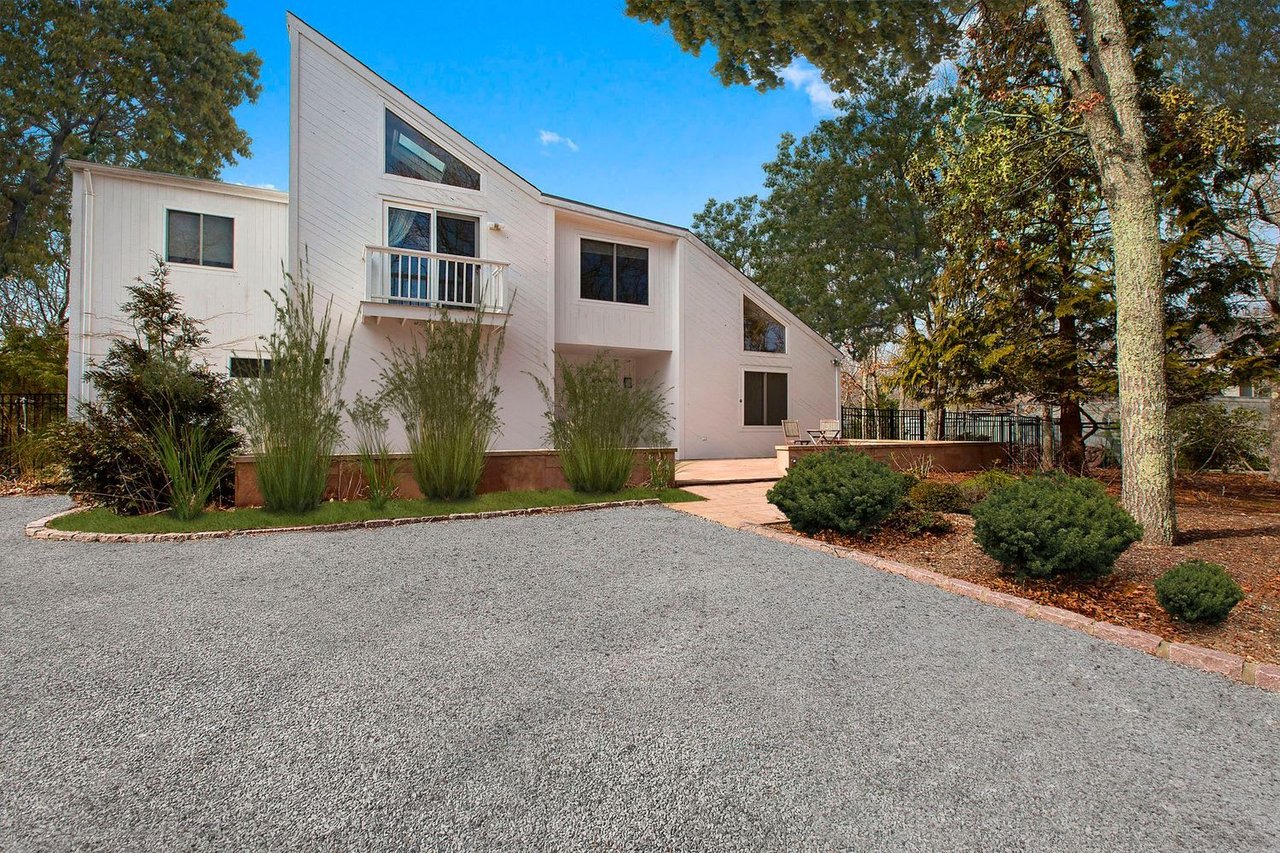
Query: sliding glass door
418 279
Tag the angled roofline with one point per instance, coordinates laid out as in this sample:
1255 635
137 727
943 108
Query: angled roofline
295 24
168 179
573 205
680 232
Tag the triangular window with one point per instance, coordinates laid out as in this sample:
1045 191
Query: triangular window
760 332
413 155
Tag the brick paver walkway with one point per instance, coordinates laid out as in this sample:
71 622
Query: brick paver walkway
733 504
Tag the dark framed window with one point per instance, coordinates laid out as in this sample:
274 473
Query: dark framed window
613 272
760 332
764 398
248 368
412 154
199 238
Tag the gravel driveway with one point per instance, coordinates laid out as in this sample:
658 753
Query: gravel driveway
631 678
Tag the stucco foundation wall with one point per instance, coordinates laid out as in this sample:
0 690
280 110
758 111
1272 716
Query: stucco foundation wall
950 456
504 471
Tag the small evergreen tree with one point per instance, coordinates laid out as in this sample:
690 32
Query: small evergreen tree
148 383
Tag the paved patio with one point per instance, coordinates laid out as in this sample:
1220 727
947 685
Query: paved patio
704 472
617 679
733 505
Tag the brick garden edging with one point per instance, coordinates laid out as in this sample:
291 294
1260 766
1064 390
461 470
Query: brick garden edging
1234 667
40 529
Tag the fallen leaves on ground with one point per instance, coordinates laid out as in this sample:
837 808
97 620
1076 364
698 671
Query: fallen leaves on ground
1232 519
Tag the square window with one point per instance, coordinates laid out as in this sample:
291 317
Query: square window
613 272
200 239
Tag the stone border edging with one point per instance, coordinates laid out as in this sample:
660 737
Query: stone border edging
40 529
1263 675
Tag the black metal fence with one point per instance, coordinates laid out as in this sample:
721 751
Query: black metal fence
1023 433
912 425
892 424
24 413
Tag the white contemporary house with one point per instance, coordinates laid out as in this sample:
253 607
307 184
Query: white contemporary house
394 215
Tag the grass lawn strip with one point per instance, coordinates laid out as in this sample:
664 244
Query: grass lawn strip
102 520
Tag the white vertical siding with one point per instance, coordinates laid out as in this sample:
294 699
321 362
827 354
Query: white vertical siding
339 197
608 324
116 231
712 363
689 337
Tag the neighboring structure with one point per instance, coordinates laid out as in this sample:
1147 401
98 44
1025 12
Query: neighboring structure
1247 395
392 214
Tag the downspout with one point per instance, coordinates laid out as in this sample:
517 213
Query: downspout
86 285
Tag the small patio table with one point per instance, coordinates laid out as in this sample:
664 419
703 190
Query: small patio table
823 436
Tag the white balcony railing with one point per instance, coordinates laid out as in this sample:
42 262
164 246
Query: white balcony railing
430 279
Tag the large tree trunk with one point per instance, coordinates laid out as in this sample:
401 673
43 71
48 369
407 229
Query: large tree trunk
1147 467
1069 424
1105 91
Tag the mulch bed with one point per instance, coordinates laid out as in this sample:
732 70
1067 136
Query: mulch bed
1232 519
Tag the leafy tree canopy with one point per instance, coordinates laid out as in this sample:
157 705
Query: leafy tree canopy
144 83
841 238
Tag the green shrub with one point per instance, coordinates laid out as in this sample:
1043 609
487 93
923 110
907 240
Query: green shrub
597 423
841 490
444 386
192 464
1212 436
292 412
145 383
980 486
1054 525
1198 591
932 496
370 427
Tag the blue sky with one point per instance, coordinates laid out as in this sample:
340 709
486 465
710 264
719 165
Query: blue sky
575 96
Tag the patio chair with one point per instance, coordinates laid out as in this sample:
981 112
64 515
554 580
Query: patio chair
830 430
791 433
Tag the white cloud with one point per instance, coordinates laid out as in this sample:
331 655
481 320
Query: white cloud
550 137
803 76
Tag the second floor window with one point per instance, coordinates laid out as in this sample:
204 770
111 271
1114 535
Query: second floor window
760 332
200 238
612 272
412 154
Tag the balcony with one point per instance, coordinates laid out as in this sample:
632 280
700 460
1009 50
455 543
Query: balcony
406 284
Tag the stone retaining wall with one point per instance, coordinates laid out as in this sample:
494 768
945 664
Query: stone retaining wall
504 471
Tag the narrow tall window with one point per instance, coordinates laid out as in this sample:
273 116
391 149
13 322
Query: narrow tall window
760 332
764 398
200 238
412 154
612 272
